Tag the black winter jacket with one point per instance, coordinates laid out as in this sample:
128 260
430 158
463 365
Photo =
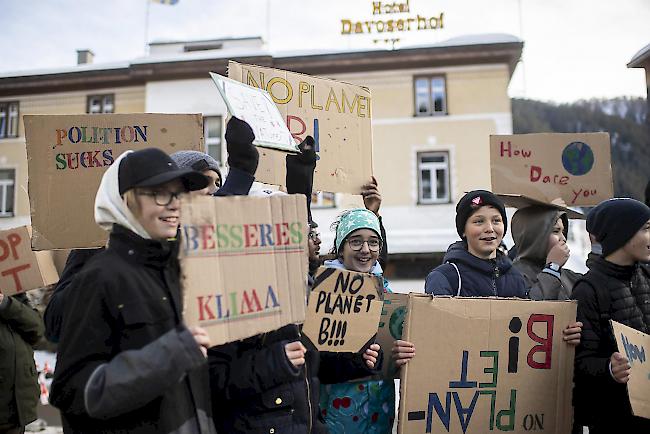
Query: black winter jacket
126 363
255 389
478 277
598 399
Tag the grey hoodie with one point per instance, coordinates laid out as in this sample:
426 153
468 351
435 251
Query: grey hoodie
531 227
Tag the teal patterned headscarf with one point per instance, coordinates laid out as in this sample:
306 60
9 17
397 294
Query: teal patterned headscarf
353 219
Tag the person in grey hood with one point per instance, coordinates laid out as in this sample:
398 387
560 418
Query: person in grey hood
540 235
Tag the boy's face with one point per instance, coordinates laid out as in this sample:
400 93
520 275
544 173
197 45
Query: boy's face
638 247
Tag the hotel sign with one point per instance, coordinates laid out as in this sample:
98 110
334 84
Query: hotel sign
391 25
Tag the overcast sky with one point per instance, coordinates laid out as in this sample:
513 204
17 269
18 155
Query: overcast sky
574 49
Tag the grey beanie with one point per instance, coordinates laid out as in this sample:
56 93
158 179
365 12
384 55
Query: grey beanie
196 160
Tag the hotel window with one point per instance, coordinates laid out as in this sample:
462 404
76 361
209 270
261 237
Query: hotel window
8 119
323 199
101 103
433 177
212 128
7 192
430 96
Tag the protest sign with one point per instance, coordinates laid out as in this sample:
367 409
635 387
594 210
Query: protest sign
574 167
244 262
632 344
256 107
67 156
391 322
20 268
486 364
336 114
343 310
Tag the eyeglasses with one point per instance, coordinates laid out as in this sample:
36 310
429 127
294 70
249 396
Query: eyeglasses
162 198
356 244
314 235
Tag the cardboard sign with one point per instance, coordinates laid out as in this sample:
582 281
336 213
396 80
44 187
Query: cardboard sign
256 107
391 324
574 167
244 263
336 114
67 156
487 365
20 268
343 310
633 344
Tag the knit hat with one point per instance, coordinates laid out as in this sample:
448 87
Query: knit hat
473 201
647 194
196 160
615 221
351 220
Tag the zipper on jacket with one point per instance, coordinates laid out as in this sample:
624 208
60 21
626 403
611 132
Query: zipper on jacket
495 276
311 416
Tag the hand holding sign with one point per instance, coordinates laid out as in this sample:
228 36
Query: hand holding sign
371 355
295 352
202 339
620 367
403 352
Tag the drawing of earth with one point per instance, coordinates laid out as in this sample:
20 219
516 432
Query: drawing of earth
577 158
396 322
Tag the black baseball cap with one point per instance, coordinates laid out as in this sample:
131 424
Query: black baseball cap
151 166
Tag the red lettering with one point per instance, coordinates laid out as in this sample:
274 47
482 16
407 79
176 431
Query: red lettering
14 273
10 248
535 173
298 135
250 235
204 308
545 345
207 232
283 234
248 302
508 149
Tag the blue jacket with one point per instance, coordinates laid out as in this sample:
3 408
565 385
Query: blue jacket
478 277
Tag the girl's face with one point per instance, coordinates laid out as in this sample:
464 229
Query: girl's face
213 185
368 244
484 232
638 247
159 209
557 234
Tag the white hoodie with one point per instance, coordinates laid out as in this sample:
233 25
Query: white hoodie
110 207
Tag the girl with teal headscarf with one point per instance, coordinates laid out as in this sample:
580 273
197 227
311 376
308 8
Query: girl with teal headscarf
361 406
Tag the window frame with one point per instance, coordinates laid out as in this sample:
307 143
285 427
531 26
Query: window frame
4 184
433 167
207 140
7 105
102 97
429 78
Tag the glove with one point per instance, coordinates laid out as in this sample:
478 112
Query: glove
300 168
239 143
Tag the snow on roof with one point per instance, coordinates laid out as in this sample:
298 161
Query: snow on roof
640 57
238 52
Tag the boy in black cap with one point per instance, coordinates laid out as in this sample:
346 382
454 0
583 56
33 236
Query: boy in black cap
616 288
